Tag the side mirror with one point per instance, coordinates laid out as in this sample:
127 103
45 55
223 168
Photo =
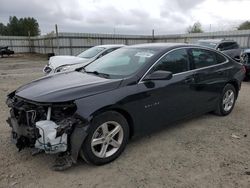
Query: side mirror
219 49
159 75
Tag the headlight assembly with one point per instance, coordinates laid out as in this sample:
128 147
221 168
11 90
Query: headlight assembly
63 68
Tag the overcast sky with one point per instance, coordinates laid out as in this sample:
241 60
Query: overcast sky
128 16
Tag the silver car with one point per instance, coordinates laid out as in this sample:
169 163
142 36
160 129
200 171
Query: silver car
228 47
67 63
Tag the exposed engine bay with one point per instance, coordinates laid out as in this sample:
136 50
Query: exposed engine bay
46 127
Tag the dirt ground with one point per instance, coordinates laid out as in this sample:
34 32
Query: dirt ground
200 152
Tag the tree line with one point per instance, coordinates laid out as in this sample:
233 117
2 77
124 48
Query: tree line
20 27
197 27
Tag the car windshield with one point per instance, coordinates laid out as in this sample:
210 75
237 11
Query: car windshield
207 44
121 63
92 52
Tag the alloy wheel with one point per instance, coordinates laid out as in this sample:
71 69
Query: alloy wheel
228 100
107 139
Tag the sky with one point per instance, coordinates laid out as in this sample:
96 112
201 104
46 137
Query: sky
128 16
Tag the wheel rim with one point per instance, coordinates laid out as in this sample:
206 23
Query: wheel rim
228 100
107 139
245 59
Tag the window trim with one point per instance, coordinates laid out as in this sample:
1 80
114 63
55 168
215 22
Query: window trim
192 70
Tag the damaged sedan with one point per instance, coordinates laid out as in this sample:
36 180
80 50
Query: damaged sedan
92 112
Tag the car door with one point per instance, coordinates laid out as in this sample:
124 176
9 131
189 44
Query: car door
164 101
210 76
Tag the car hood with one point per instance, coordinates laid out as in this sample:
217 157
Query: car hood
65 87
57 61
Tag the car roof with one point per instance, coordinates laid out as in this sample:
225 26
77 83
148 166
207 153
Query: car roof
111 46
217 41
161 46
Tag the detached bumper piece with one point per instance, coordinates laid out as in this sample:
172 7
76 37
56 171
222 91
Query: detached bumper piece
62 163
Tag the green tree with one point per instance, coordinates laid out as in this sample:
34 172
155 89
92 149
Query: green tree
13 26
30 25
20 27
244 25
196 28
3 29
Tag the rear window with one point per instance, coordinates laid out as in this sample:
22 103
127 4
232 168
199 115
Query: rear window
228 46
203 58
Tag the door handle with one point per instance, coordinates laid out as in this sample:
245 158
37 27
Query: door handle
189 80
220 72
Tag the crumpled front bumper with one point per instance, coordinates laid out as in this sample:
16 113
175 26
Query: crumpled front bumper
30 128
22 135
45 135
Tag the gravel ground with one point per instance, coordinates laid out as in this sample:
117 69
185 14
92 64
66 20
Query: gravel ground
200 152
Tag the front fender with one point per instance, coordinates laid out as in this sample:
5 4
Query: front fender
122 98
90 106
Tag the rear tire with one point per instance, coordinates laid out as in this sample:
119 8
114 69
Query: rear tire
107 138
226 101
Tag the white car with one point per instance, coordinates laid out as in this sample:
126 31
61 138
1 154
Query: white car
68 63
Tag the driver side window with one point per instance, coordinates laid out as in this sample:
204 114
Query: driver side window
175 62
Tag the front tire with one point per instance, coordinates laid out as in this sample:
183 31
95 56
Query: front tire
227 100
107 138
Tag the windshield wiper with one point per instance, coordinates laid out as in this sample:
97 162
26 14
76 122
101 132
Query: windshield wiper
97 73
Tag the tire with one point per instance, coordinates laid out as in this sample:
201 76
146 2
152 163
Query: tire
106 122
225 106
